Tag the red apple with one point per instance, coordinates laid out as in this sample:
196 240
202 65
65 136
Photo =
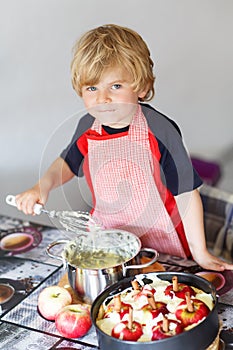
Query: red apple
123 310
188 317
166 329
180 293
156 309
52 299
73 321
147 290
123 332
128 330
143 294
178 289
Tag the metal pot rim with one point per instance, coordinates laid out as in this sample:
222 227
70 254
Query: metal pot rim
66 242
109 231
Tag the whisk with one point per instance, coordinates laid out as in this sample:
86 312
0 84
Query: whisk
71 220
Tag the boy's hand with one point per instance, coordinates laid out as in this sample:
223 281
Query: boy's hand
211 262
26 200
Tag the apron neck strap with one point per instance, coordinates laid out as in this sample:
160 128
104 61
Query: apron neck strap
138 129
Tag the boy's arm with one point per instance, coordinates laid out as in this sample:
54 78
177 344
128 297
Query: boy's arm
191 211
56 175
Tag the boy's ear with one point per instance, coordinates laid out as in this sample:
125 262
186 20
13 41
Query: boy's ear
142 93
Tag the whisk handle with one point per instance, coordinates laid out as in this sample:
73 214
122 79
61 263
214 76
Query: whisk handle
10 199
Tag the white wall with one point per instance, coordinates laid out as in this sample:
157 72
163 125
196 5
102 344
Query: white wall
191 44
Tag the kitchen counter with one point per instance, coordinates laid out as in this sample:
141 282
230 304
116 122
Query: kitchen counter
29 270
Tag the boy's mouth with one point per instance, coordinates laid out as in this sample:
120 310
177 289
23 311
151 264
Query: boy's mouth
109 110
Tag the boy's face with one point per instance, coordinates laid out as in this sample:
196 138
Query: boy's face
112 100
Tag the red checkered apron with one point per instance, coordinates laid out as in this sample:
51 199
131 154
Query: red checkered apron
125 194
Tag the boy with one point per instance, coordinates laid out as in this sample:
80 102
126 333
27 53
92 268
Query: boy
132 156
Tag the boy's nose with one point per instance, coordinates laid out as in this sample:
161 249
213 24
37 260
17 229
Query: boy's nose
103 97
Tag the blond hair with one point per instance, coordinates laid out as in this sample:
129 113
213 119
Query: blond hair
109 46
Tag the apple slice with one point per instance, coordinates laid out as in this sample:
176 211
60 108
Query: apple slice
166 328
191 311
128 330
178 289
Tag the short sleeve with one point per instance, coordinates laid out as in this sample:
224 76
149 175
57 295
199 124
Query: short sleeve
170 173
71 154
177 170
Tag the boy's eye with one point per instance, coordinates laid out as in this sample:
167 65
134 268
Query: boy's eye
116 86
91 88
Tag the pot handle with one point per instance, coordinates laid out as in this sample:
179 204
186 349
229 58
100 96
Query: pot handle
141 266
51 245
